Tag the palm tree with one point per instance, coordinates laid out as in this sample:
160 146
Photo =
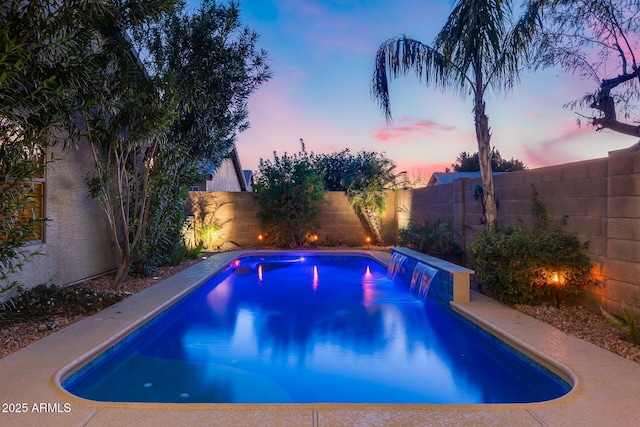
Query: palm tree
478 48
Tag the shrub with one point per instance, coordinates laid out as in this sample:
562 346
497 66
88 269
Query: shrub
515 264
289 190
518 265
183 253
627 323
208 234
433 238
363 177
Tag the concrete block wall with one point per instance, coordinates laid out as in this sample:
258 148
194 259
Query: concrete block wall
598 200
236 210
338 222
622 269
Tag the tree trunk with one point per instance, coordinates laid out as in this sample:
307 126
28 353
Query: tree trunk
605 103
374 222
123 270
484 156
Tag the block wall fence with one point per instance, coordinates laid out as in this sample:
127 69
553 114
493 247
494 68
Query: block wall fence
338 222
598 200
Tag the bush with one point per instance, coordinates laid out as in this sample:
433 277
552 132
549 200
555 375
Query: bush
433 238
363 177
289 190
627 323
45 301
183 253
515 264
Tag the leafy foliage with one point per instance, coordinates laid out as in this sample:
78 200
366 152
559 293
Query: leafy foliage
466 162
43 57
289 190
627 323
517 265
205 65
183 253
154 126
126 130
363 177
208 226
597 40
435 238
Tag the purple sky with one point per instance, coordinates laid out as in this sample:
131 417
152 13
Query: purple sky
322 58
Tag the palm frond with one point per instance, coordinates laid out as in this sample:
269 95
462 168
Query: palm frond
397 57
518 44
473 35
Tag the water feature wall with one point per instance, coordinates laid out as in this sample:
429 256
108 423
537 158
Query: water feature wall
421 279
395 265
431 277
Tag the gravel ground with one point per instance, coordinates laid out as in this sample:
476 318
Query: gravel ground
575 320
586 324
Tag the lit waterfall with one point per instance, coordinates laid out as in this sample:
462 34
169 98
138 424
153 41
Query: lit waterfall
423 275
396 263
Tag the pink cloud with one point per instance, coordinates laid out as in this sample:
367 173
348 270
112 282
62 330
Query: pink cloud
552 150
410 128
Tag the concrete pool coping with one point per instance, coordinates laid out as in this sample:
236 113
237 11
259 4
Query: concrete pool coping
606 386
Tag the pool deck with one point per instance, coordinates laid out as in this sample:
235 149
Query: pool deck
606 386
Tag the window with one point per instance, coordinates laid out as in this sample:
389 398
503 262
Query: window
22 167
34 208
32 199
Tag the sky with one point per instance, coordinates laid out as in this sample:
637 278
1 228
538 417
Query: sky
322 52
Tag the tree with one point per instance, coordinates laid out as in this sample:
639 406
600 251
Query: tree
157 122
206 65
477 49
364 177
126 126
466 162
48 55
289 190
598 41
126 129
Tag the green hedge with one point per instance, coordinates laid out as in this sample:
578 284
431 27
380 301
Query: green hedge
432 238
516 265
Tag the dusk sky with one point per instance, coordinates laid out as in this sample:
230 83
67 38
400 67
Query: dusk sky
322 57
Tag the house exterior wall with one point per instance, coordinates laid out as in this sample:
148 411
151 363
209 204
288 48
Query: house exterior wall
225 178
77 242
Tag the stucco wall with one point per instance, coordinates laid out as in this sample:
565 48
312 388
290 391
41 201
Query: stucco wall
76 238
224 179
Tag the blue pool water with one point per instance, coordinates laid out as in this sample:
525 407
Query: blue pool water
310 329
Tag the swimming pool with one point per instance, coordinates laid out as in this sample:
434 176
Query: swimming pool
291 328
